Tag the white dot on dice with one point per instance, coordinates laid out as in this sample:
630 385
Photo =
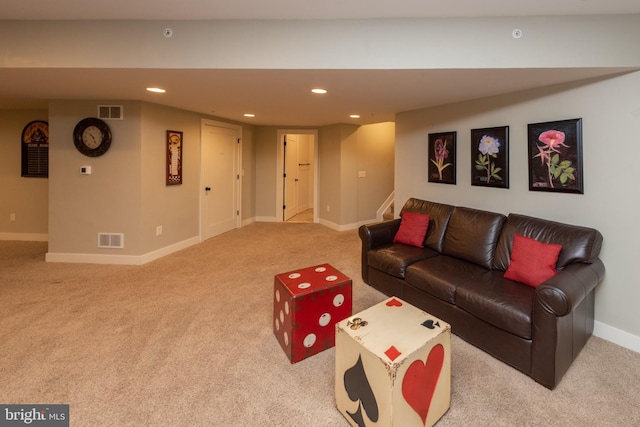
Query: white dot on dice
309 340
325 319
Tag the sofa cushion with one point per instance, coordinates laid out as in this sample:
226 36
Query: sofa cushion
501 302
413 228
472 235
440 276
439 215
579 244
393 259
532 262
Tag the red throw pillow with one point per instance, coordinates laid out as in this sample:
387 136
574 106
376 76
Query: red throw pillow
413 228
532 262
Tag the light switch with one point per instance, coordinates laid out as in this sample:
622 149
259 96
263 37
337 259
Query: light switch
85 170
362 174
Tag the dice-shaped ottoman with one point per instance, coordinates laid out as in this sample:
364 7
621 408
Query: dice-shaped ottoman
307 303
393 366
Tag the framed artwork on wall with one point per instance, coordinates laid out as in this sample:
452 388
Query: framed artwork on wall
35 149
490 157
555 156
442 157
174 157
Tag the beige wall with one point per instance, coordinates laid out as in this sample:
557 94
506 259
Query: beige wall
568 41
127 192
109 200
376 146
27 198
174 207
610 110
344 200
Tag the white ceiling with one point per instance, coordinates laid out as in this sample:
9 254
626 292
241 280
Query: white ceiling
375 94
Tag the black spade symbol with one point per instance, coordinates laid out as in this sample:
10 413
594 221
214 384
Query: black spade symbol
358 388
429 324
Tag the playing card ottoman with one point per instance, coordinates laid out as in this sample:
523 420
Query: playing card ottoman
307 303
393 366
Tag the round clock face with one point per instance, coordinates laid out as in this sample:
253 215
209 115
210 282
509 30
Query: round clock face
92 137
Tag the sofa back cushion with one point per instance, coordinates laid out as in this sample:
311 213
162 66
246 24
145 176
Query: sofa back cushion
439 215
472 235
579 244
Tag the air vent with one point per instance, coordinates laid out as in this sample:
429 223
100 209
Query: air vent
111 240
110 112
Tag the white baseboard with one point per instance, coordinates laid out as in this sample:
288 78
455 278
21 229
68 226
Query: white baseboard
267 219
248 221
616 336
25 237
345 227
121 259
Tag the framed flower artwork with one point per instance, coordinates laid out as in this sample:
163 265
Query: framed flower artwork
490 157
555 156
442 157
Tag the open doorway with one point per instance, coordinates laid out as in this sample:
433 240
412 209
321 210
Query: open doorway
297 175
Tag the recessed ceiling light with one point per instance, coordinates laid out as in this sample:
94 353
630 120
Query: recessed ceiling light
355 116
318 90
249 115
156 90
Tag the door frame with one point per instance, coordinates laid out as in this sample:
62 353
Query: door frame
280 169
237 168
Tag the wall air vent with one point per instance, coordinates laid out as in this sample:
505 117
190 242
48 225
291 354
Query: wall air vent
110 112
111 240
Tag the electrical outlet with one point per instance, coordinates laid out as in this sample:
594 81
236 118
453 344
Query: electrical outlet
12 217
159 230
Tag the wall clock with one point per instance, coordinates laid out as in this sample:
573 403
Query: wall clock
92 137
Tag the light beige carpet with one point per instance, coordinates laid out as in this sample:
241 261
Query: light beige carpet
187 341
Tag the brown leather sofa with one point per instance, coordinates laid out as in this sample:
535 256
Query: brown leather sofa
459 277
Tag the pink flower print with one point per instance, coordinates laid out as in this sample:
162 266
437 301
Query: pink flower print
549 153
552 139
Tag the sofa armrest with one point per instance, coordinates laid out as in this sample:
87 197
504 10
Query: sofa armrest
564 291
563 320
378 234
373 236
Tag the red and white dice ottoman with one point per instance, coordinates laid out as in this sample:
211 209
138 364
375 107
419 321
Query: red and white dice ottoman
307 303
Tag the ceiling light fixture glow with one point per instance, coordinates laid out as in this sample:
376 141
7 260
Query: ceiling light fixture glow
156 90
249 115
355 116
318 90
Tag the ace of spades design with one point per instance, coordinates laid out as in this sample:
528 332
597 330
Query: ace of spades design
359 390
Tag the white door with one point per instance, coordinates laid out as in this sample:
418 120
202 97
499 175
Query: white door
304 187
307 196
290 176
220 179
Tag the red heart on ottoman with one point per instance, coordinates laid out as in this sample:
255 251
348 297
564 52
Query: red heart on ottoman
394 303
420 381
